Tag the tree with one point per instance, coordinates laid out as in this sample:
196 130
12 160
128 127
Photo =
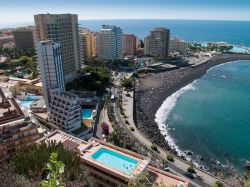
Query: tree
127 83
95 79
105 129
247 179
24 60
154 147
140 181
55 172
191 168
170 158
29 164
30 161
218 184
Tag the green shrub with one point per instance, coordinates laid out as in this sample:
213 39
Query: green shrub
30 161
170 158
154 147
132 129
191 169
218 184
126 121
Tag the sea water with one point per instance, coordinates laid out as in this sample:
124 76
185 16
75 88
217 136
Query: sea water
211 116
234 32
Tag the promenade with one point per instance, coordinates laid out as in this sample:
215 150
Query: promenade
178 166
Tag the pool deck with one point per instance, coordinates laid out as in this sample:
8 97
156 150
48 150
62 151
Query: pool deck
86 149
89 122
96 144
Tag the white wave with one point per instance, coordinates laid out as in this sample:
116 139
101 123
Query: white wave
223 64
163 112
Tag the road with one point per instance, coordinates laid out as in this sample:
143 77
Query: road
178 166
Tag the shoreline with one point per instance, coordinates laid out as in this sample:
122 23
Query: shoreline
152 90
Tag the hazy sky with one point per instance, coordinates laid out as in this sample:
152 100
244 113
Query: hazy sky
23 10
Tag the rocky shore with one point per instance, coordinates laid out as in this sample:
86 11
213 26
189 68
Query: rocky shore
153 89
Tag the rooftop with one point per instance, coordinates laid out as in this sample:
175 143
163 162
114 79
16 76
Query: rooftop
9 109
38 104
113 160
86 150
67 95
167 178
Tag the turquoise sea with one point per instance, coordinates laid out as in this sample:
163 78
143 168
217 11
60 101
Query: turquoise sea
211 116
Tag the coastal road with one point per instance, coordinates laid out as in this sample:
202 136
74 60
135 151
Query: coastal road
178 166
174 169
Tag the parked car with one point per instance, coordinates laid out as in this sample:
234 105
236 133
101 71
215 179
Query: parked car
189 175
166 168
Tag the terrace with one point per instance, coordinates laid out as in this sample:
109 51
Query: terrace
88 151
9 109
114 160
111 164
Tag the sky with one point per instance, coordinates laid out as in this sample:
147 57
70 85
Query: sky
14 11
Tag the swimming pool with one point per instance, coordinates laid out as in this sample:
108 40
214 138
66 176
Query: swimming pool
115 160
87 113
27 100
26 104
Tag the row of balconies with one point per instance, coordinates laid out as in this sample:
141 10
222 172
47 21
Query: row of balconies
23 142
57 121
64 105
15 129
19 137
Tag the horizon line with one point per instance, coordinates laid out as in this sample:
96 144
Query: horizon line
130 19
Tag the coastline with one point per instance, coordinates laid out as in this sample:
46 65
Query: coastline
153 89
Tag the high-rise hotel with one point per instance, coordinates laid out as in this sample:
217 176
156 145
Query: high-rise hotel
110 42
51 67
88 42
129 44
157 43
24 38
64 110
63 29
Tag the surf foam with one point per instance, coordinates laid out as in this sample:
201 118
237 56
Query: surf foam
164 111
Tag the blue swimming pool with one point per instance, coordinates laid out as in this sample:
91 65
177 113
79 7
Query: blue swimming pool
115 160
26 104
87 113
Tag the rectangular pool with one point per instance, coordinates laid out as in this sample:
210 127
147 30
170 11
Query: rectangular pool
87 113
26 104
115 160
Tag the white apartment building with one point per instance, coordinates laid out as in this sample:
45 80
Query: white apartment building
110 42
65 110
50 62
177 45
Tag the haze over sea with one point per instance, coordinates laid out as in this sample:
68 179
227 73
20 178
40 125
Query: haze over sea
234 32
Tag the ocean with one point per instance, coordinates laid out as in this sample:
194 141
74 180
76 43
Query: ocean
211 117
234 32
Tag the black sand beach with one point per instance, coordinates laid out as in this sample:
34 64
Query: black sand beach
152 90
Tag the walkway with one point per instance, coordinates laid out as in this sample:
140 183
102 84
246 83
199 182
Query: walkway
178 165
